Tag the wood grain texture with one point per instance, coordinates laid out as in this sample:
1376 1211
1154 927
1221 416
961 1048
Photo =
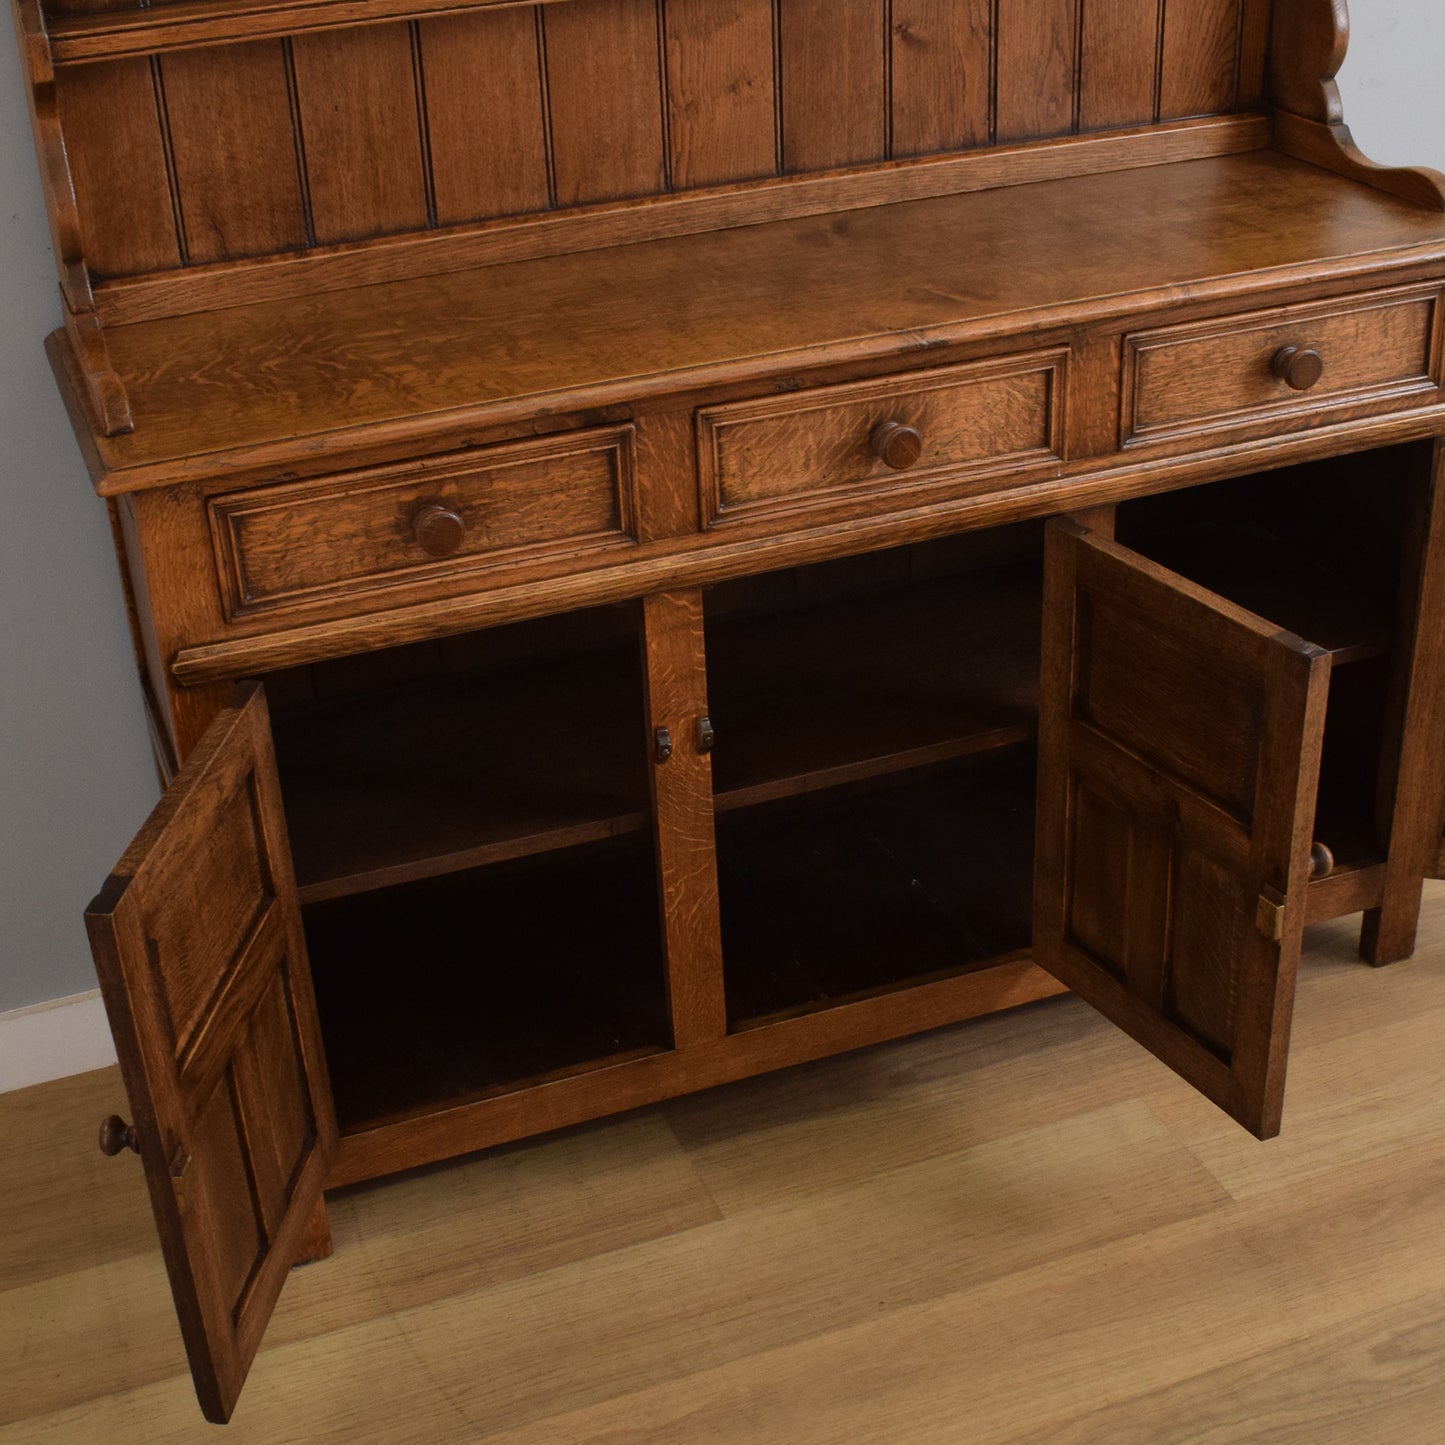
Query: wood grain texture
647 98
941 77
118 160
56 177
1118 63
740 303
279 547
486 114
242 197
779 457
1073 1160
1200 69
832 83
1209 377
382 259
605 101
1308 41
1153 848
682 806
215 1023
721 96
361 132
1411 790
1038 52
1334 148
1254 28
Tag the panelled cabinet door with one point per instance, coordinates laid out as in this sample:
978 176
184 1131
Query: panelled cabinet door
198 944
1178 768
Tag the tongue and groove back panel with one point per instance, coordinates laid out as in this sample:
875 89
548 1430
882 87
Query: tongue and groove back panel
449 119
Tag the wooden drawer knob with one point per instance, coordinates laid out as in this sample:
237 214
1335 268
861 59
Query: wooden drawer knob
1298 367
437 529
116 1135
1322 861
896 445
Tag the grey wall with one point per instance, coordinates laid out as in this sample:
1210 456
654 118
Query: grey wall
75 773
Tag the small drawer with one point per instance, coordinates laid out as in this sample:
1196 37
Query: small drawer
557 497
861 447
1265 369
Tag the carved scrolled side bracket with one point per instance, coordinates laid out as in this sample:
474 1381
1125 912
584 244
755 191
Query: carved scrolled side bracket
82 324
105 389
1307 49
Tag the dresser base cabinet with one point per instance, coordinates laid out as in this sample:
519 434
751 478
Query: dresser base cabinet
925 765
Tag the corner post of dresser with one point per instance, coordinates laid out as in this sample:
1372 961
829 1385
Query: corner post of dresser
1308 44
1411 790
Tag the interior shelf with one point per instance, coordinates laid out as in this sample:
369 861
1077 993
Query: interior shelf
827 899
456 988
835 693
464 769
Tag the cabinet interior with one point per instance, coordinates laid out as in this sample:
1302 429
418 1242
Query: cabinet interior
1320 550
470 826
471 823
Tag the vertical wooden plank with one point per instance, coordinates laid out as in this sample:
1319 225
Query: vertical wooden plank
1119 58
667 489
604 88
485 115
356 92
118 161
683 815
1038 52
1095 379
720 93
1411 787
235 150
832 76
1253 52
1201 54
941 57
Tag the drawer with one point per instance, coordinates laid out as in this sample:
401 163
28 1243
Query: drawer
525 502
863 446
1373 352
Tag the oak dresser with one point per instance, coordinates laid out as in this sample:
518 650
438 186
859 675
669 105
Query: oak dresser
668 538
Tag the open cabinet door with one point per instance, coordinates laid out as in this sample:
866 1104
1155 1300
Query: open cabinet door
1178 767
198 944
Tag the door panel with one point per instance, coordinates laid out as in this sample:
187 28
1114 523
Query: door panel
1178 767
198 945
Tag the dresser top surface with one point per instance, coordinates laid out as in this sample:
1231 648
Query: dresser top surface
261 384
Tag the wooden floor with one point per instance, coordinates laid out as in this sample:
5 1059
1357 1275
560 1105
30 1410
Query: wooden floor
1019 1229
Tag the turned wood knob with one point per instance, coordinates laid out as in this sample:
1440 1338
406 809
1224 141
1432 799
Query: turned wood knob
1298 367
1322 861
896 445
437 529
116 1135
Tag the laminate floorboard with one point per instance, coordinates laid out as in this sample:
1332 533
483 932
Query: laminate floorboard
1018 1229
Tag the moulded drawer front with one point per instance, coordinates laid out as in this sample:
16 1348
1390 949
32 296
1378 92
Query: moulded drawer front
505 505
1237 372
819 449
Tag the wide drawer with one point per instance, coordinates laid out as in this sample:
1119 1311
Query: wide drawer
856 446
556 497
1374 351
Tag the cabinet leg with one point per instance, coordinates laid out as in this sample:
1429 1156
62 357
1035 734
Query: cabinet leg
316 1242
1388 932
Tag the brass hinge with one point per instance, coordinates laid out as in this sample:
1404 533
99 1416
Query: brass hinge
1269 915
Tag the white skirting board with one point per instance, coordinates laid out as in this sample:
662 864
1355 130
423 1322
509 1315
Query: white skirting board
53 1040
